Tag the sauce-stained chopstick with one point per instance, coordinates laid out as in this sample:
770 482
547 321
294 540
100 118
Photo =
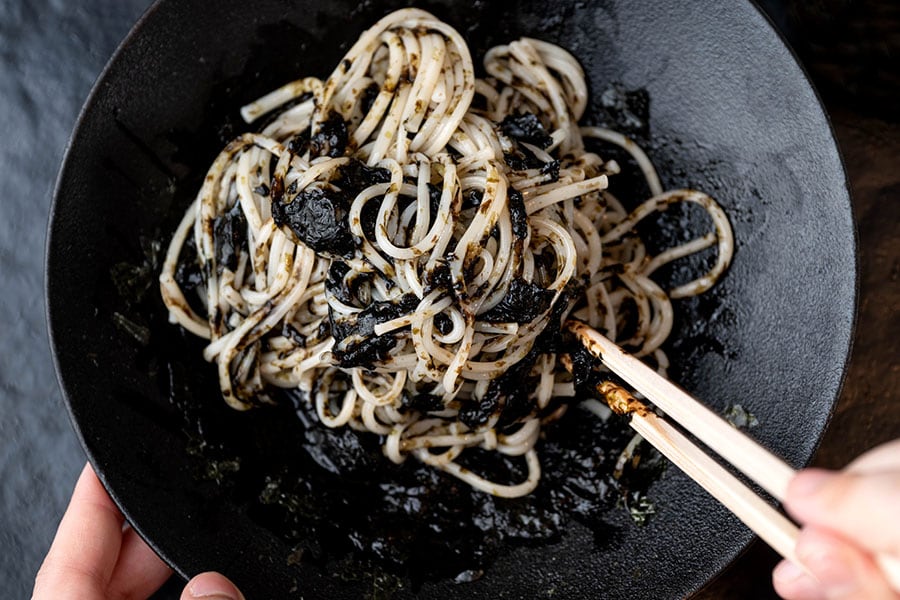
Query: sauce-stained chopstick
760 465
745 454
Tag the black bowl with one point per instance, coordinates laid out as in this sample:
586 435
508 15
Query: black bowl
731 113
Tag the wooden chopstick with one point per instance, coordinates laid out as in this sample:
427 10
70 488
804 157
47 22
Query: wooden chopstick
760 465
757 463
762 518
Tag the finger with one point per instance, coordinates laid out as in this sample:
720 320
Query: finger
856 506
843 571
793 583
81 559
211 586
883 458
139 571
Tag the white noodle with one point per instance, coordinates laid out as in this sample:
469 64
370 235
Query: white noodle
442 230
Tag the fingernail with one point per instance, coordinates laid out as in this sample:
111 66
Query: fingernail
787 572
807 483
213 589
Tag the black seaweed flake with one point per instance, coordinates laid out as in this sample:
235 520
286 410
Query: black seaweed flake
438 278
318 217
336 282
526 128
472 199
331 139
583 373
291 333
518 216
357 345
443 323
551 338
368 97
424 402
299 144
551 171
340 451
355 176
524 302
522 159
474 412
230 234
434 199
188 275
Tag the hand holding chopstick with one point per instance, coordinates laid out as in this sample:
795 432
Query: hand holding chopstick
760 465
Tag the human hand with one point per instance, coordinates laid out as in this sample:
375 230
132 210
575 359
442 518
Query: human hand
846 517
97 556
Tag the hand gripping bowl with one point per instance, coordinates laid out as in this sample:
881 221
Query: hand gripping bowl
730 113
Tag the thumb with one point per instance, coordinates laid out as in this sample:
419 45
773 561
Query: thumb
211 586
859 506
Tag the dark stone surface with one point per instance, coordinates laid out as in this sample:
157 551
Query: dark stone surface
51 51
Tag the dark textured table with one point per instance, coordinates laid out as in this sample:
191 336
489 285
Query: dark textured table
50 53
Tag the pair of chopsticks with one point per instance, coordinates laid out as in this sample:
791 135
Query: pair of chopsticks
767 470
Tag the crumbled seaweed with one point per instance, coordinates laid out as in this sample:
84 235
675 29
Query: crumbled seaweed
220 470
640 507
419 523
336 283
526 521
434 199
551 171
517 214
230 232
262 190
472 198
357 345
291 333
443 323
583 373
551 338
355 176
299 144
526 128
324 329
475 412
524 302
318 217
368 97
188 275
508 393
522 159
424 402
340 451
740 417
331 139
438 278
